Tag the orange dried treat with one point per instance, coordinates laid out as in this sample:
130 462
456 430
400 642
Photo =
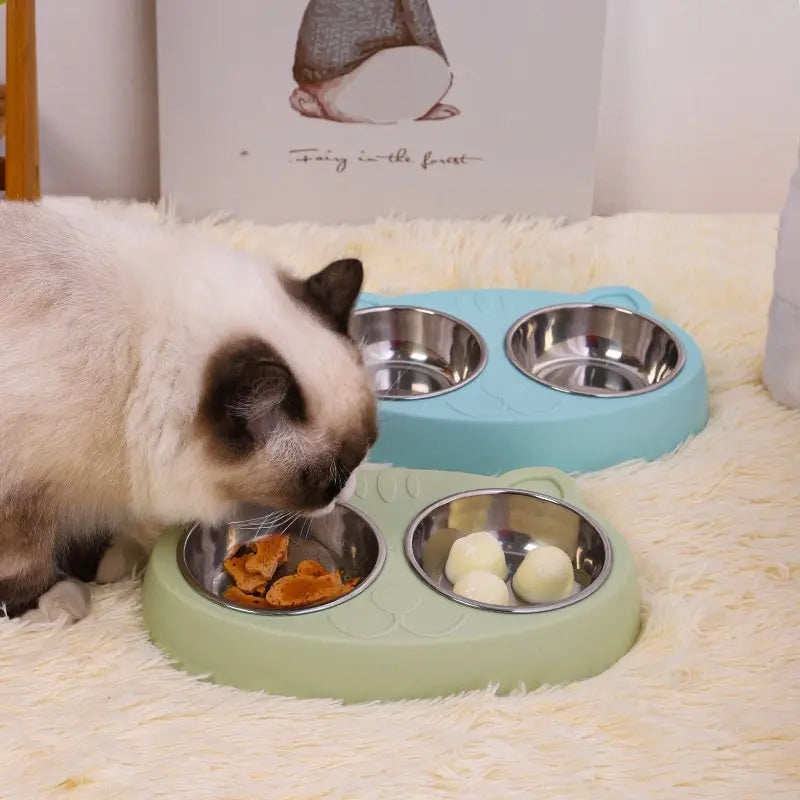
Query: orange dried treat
253 569
236 595
311 567
236 567
297 591
270 553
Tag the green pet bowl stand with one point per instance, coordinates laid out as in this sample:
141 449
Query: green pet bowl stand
399 639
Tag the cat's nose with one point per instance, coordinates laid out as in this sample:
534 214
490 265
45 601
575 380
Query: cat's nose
341 477
321 489
348 490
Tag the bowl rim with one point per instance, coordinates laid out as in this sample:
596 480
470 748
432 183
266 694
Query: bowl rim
482 361
511 356
584 593
289 612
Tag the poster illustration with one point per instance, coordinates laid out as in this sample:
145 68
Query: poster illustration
370 61
347 110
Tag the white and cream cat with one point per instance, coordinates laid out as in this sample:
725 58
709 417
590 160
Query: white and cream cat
147 379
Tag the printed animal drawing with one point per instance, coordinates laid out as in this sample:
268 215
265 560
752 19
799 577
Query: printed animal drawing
370 62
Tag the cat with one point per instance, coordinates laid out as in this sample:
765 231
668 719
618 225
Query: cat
146 380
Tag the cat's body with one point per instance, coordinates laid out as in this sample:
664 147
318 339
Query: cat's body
148 380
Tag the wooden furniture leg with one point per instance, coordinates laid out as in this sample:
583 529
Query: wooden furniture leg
22 120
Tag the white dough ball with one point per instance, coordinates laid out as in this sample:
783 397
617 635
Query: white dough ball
544 576
483 587
479 551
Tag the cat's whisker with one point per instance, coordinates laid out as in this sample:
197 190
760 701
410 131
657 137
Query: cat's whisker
271 521
401 373
255 523
290 522
255 520
261 527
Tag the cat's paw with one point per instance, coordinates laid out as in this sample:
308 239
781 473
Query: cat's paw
67 601
123 559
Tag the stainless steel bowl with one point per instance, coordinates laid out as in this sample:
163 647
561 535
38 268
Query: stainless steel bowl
344 539
414 353
521 521
596 350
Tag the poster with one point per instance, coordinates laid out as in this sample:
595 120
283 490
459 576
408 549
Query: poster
345 110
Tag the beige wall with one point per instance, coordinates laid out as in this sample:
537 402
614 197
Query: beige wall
97 97
700 107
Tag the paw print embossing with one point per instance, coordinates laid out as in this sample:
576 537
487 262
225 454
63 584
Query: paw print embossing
480 403
431 621
393 607
372 622
362 484
386 484
536 402
487 303
395 599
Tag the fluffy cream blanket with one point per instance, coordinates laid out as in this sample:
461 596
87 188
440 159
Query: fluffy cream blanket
706 705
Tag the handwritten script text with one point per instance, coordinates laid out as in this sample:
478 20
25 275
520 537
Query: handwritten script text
341 162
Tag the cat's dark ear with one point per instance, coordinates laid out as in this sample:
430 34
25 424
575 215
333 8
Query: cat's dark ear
248 390
334 290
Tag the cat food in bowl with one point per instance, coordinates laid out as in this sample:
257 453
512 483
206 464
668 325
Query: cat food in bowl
261 564
573 561
595 350
414 353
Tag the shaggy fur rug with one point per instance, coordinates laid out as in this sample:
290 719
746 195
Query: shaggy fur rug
704 706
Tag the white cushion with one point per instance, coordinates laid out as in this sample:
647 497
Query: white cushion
782 354
787 260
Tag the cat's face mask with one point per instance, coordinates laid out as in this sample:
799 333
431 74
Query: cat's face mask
280 434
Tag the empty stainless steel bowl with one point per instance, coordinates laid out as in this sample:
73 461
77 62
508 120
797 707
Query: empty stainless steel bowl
344 540
413 353
520 521
597 350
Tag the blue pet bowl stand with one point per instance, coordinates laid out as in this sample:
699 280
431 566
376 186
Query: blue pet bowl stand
503 420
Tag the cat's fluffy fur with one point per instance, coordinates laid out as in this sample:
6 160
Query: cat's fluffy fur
146 380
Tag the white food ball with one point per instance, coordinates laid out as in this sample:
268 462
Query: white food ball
483 587
544 576
479 551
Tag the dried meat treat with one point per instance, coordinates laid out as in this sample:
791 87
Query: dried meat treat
298 591
236 595
311 567
270 553
235 566
253 568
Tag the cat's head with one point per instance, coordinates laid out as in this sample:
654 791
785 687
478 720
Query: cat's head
286 421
